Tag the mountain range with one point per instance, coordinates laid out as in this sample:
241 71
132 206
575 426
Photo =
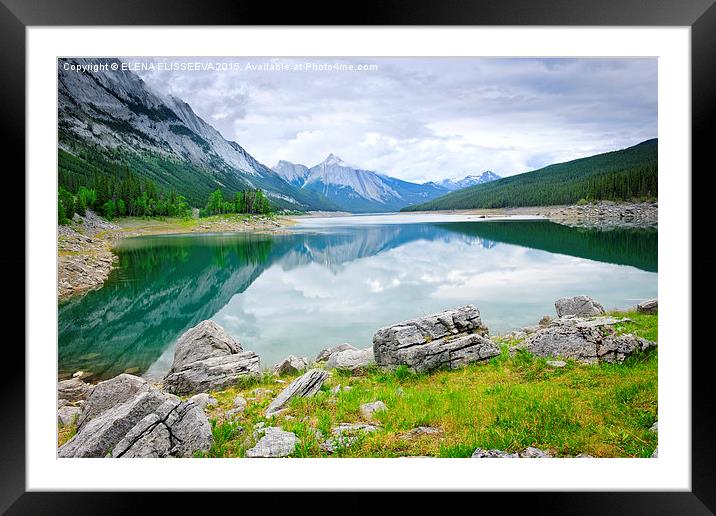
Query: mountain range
471 180
110 121
357 190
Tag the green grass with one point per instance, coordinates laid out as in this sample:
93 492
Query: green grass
508 403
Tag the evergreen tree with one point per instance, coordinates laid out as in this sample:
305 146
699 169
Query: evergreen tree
61 214
68 202
109 209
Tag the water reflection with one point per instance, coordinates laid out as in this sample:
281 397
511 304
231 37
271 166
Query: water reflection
321 285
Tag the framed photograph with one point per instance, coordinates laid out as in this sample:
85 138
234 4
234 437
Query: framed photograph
316 256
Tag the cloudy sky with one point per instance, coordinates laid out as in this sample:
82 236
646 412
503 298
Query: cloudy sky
421 119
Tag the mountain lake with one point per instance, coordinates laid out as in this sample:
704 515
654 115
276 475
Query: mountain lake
326 281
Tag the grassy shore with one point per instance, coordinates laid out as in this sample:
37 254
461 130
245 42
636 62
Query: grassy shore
509 403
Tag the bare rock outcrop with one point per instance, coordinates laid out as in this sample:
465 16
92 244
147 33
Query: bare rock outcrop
351 359
73 390
346 434
111 393
127 417
527 453
302 387
205 340
291 365
326 353
207 358
650 306
577 305
275 442
451 339
175 429
585 344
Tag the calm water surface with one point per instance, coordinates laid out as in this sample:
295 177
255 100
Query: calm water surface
338 280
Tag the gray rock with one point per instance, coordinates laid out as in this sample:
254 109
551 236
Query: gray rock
302 387
291 365
67 414
527 453
205 340
587 345
346 434
275 443
556 363
239 403
98 436
213 373
452 339
588 322
326 353
479 453
534 453
73 390
111 393
127 417
203 400
616 349
650 306
655 427
175 429
577 305
351 359
655 455
368 409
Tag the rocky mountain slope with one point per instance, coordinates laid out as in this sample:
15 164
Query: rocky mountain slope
110 115
354 189
470 180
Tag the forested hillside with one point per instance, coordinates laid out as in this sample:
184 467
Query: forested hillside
626 174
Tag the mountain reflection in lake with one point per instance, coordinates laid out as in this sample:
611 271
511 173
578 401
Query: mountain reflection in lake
323 284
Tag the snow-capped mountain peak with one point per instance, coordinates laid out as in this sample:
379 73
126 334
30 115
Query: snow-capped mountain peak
469 180
355 189
332 160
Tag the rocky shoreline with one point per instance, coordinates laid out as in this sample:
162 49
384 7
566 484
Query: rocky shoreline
84 248
128 417
599 215
603 214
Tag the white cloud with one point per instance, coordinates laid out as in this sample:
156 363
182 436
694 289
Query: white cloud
422 119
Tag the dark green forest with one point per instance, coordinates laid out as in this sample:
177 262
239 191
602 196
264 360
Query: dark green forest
83 165
628 174
114 190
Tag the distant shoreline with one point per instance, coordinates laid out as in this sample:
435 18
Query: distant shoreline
602 214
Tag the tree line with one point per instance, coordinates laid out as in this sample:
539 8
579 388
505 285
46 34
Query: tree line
120 192
625 175
249 201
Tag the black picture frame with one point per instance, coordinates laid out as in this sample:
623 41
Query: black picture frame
700 15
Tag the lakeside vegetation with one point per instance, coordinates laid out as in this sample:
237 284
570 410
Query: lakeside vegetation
625 175
508 403
122 193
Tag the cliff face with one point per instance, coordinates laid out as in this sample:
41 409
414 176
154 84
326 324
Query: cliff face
102 106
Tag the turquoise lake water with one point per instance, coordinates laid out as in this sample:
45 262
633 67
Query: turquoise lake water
334 280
